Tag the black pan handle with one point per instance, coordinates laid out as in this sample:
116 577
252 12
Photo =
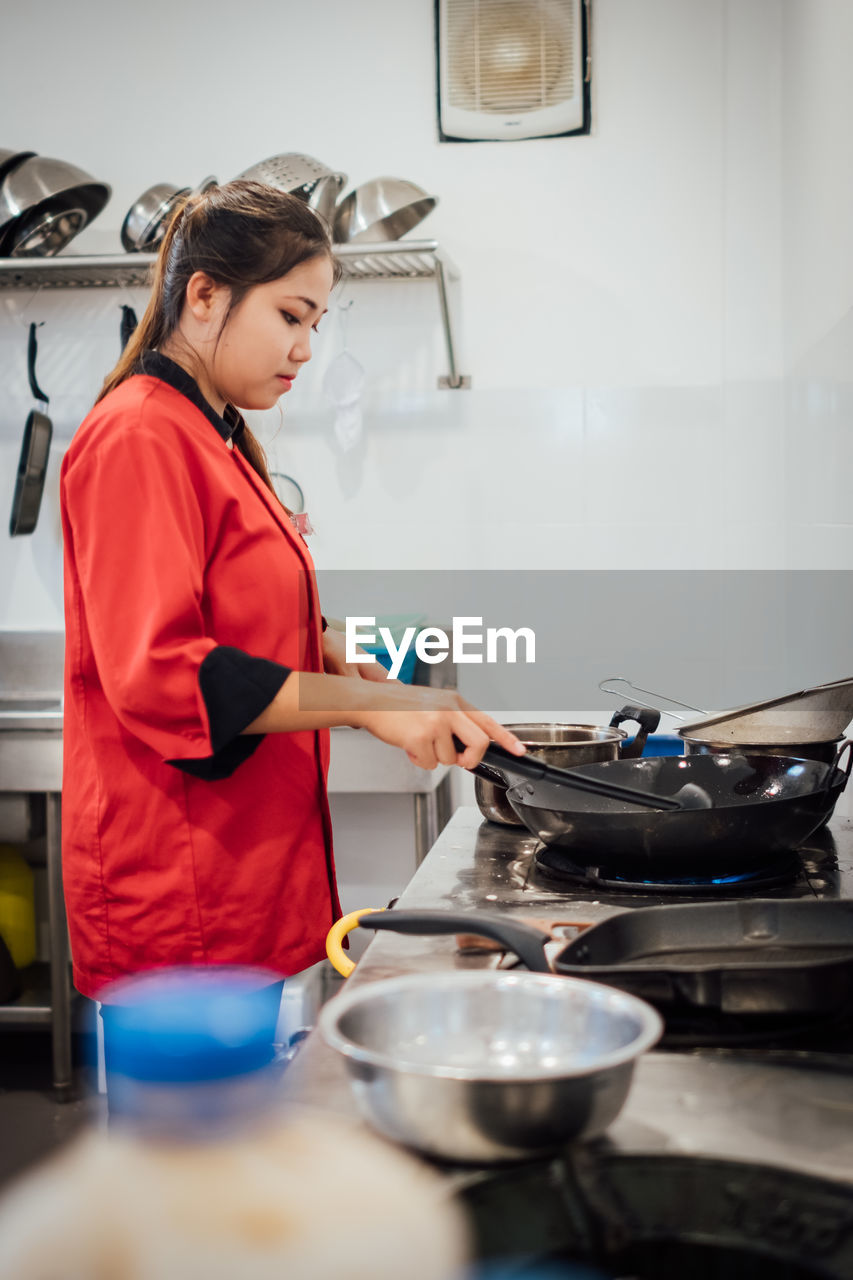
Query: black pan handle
647 718
32 353
524 940
836 773
529 769
128 325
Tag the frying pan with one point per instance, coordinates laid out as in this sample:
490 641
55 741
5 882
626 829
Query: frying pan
32 465
755 957
761 806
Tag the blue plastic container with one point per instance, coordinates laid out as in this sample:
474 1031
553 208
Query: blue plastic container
189 1049
397 624
407 670
664 744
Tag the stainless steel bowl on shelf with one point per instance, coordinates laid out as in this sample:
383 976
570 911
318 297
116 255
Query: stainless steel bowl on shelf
44 203
382 209
148 217
147 220
488 1066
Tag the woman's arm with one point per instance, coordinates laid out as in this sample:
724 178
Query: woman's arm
419 720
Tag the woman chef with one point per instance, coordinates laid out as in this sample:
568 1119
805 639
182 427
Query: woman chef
200 679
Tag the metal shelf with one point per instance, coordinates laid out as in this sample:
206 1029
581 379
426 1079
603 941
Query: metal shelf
32 1008
394 260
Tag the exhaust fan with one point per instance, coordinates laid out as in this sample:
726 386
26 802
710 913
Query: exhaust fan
511 69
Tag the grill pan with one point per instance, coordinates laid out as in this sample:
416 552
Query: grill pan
758 958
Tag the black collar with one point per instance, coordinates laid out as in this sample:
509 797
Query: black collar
155 365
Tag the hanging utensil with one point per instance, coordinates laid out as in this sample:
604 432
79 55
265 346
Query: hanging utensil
128 325
343 383
32 465
289 492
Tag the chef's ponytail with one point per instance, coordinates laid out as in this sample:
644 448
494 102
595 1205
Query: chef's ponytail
241 234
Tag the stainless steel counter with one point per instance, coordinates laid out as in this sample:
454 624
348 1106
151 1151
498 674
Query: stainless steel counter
31 675
729 1104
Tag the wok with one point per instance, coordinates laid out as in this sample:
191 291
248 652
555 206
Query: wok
760 807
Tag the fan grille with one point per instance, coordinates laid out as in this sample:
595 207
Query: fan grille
511 55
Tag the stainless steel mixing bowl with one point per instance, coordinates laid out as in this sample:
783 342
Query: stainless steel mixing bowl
382 209
489 1066
147 219
44 203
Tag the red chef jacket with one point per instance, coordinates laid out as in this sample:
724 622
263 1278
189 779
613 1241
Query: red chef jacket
189 598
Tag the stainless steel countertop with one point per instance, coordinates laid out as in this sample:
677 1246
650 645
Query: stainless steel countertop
712 1102
31 678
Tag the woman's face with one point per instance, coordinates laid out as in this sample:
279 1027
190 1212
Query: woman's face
267 337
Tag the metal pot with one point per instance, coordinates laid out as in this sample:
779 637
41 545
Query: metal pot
486 1067
565 746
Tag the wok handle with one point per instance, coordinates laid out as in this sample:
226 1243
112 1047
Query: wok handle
831 781
524 940
646 717
529 769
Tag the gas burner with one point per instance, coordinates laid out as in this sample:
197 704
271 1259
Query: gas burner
555 864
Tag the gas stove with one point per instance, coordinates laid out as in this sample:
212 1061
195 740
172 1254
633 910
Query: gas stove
821 868
555 864
733 1159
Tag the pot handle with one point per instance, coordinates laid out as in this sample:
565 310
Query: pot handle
648 718
488 774
338 932
527 942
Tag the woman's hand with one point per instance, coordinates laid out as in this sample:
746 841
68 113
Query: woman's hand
335 660
423 722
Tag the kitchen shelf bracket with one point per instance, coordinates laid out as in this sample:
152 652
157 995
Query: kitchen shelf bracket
388 261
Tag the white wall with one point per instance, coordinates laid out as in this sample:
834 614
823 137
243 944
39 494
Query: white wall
619 293
817 223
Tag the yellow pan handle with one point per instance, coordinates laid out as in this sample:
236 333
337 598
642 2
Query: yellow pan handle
336 935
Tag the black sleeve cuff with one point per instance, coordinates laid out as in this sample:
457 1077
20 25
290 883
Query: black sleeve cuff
236 688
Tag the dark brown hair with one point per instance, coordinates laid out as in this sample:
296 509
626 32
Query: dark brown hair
240 234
